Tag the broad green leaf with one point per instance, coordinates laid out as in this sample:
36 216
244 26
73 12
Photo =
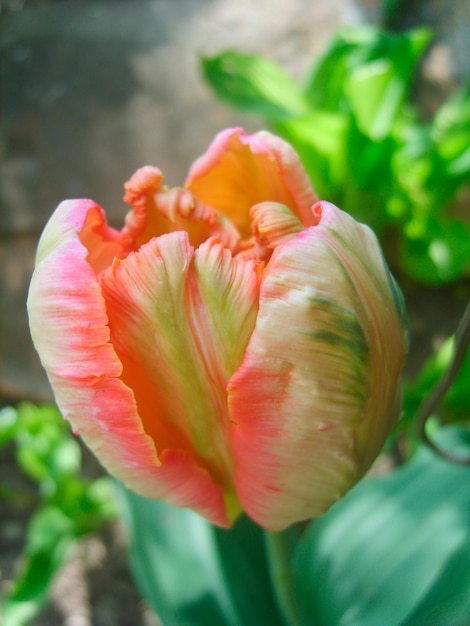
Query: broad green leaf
319 139
368 70
376 556
252 83
375 93
194 573
376 88
324 86
447 601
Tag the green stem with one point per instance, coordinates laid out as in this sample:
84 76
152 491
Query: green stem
436 395
279 552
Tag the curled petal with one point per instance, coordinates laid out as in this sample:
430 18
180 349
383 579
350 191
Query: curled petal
140 189
157 210
64 295
174 317
68 317
240 170
317 392
84 221
273 224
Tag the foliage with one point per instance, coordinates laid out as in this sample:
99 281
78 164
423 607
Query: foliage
363 144
68 505
394 551
195 573
385 554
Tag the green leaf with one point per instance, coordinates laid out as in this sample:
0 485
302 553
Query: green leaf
446 603
252 83
319 139
369 71
375 93
324 86
194 573
70 505
376 556
376 88
40 434
8 422
435 251
50 535
451 133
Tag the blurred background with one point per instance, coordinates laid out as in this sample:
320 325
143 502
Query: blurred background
92 90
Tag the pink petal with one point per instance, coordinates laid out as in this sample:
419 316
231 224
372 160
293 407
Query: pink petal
240 170
180 322
69 325
317 391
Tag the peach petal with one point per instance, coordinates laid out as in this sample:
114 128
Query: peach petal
317 392
239 171
68 317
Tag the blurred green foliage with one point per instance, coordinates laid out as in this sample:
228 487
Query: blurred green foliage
67 507
364 145
395 550
456 403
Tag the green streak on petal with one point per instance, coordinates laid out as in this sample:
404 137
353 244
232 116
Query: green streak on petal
343 335
349 333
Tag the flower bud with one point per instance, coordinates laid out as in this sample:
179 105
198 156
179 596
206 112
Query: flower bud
237 345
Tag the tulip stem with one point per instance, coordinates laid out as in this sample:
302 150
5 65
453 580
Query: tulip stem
279 550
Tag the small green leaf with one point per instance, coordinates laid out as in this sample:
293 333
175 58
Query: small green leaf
324 86
8 422
69 505
450 132
50 535
66 458
252 83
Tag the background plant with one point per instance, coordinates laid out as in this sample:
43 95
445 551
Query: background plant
363 142
401 535
66 505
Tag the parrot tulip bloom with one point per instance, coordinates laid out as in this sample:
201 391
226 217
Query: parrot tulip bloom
238 345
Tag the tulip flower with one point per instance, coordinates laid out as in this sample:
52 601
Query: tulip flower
236 346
